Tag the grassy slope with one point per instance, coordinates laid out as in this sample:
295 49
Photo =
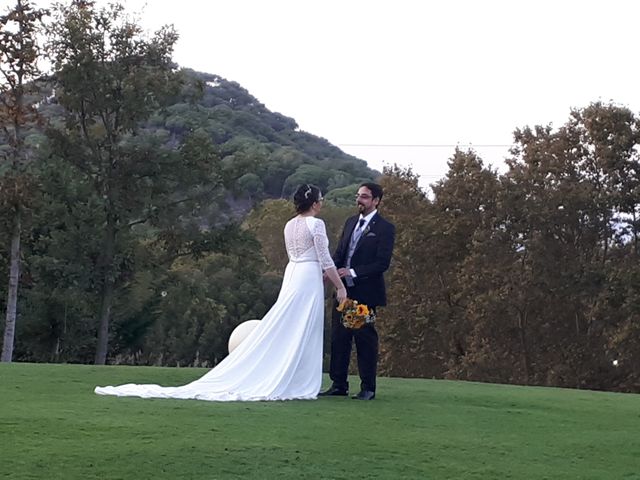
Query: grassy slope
53 426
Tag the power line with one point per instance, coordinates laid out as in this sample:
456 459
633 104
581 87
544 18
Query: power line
423 145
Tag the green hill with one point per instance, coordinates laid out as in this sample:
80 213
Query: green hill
263 154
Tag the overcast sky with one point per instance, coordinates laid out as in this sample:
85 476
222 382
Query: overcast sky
415 73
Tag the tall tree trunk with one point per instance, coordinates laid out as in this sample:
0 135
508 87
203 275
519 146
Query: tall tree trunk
107 292
524 353
635 231
12 296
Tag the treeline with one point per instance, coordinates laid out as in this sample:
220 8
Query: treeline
528 277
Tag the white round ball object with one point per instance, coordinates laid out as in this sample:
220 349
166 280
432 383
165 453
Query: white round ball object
241 332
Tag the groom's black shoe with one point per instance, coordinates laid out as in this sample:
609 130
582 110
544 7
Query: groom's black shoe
334 392
365 395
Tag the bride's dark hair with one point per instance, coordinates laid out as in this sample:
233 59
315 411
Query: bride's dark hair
304 198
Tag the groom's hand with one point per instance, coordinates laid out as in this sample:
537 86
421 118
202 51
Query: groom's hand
344 272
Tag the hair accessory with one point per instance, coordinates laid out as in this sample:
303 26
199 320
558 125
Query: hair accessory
308 192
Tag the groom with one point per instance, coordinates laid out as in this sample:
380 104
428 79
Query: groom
362 257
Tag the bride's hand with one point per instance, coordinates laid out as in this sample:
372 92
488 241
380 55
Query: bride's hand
341 294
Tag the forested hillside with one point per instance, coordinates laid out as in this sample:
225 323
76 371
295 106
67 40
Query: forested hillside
263 154
124 183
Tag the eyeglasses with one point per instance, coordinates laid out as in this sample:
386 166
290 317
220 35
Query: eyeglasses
363 195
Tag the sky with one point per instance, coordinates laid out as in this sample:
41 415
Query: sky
405 81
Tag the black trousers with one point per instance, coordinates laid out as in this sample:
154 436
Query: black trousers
366 339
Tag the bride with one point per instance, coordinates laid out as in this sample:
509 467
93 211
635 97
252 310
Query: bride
281 359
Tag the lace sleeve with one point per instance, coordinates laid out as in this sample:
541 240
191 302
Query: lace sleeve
321 244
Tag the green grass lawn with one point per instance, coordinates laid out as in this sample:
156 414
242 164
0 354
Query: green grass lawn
52 426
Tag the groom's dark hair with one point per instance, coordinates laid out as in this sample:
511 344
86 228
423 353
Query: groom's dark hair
376 190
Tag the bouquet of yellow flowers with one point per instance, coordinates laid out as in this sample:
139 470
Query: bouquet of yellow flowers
355 315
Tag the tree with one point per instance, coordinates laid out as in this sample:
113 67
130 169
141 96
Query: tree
405 334
111 78
202 300
19 55
550 282
423 329
61 285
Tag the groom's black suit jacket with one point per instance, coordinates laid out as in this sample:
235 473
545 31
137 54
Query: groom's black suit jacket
370 260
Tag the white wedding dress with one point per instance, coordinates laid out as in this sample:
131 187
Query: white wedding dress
281 359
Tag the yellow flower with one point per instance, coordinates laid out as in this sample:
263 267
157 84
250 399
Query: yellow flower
354 315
